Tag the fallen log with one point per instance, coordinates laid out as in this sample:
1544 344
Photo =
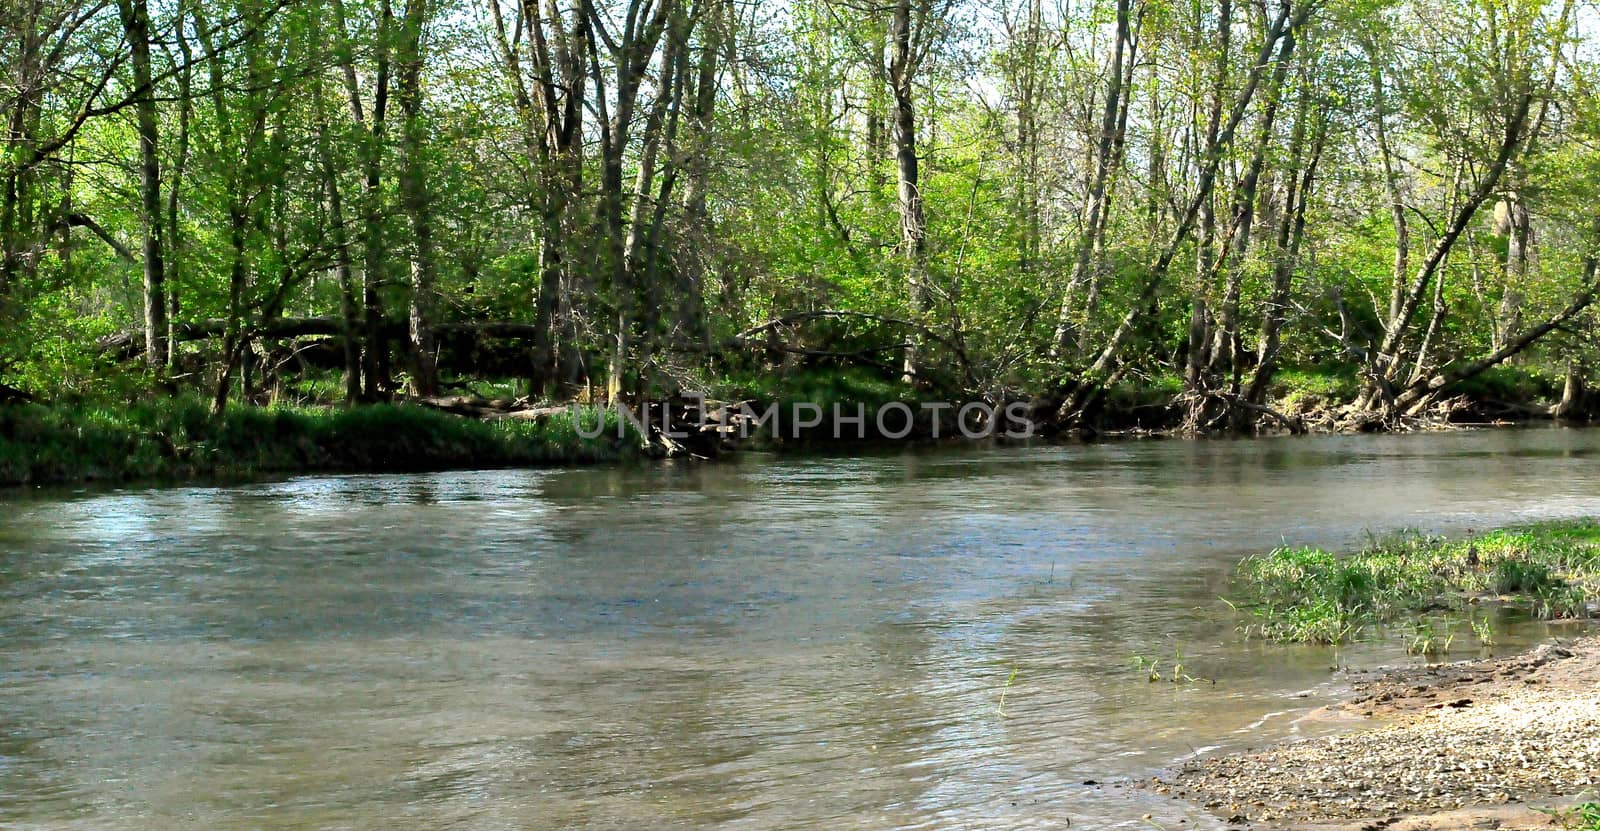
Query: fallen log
130 344
679 427
535 414
12 395
470 406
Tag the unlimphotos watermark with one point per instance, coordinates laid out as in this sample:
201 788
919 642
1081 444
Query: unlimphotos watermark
895 420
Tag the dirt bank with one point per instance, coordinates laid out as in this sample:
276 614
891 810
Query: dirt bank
1470 745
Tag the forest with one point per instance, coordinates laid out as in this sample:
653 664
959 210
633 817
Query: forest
1244 215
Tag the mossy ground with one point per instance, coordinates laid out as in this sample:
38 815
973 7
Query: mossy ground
170 439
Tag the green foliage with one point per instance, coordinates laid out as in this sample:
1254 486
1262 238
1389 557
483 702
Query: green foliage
1524 577
1173 671
1583 817
1514 383
796 180
816 386
1153 391
1308 595
1431 636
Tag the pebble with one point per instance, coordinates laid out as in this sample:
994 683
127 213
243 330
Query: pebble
1524 742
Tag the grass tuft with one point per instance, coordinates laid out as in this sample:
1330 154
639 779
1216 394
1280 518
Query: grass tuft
1307 595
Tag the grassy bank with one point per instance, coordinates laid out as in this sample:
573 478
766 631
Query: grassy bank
179 439
1429 589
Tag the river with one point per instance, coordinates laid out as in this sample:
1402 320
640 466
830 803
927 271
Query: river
763 643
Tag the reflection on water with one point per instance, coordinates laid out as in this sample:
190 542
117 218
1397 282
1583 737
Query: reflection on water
766 643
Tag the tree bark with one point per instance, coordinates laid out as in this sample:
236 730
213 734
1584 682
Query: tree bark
174 240
1112 124
344 267
1291 234
1200 318
414 197
1092 379
1388 359
136 26
643 25
374 260
1417 396
913 219
692 270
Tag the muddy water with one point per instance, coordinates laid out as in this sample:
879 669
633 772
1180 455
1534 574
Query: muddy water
762 644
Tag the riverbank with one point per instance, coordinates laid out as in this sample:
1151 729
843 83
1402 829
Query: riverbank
1504 743
178 439
1508 743
79 439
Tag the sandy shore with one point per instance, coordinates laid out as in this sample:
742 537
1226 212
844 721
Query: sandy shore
1470 745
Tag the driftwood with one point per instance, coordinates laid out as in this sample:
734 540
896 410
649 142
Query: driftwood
534 414
485 409
678 427
470 406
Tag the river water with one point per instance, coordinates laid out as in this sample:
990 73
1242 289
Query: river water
771 642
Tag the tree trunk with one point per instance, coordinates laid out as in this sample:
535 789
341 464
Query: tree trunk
349 303
1092 380
374 267
1226 343
174 241
1389 358
1417 396
1392 184
1572 394
692 270
17 231
414 198
136 27
1512 221
1112 117
233 342
913 220
632 53
1302 175
1200 319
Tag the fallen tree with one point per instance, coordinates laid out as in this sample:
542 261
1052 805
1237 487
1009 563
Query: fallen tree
130 344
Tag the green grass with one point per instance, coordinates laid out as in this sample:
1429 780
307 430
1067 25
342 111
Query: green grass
1301 388
178 439
1307 595
1585 817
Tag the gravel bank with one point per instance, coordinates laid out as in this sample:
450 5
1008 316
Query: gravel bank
1501 735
